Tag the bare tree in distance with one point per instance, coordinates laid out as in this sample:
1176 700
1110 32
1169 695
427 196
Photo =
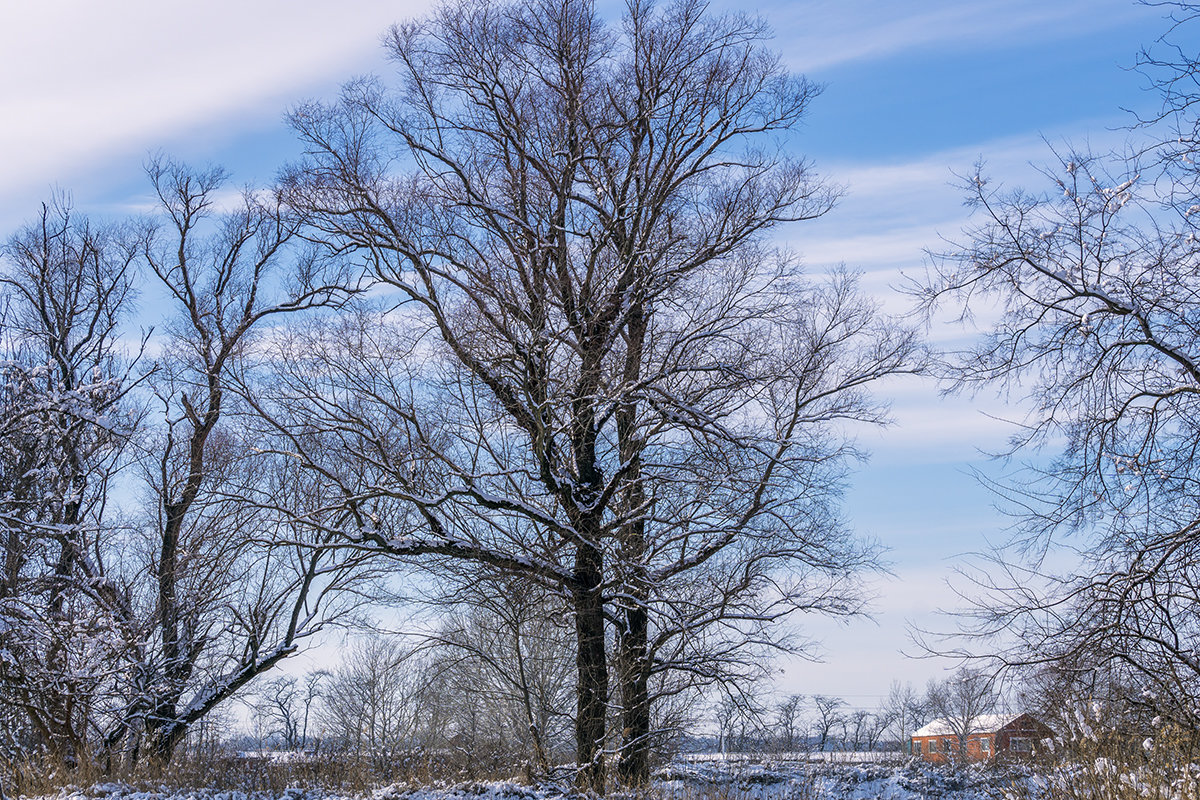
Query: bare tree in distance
905 710
958 701
509 642
313 689
374 707
592 369
287 703
741 723
789 723
877 725
829 718
858 724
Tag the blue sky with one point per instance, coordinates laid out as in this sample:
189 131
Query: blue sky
915 92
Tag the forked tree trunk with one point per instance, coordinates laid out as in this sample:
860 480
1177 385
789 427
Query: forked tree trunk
592 668
633 766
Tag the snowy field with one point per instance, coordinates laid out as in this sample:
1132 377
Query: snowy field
679 781
797 780
832 757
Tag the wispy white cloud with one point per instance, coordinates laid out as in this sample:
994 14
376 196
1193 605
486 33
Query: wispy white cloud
928 428
828 33
894 214
899 199
98 79
864 656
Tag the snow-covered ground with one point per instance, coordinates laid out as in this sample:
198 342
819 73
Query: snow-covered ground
680 781
796 780
832 756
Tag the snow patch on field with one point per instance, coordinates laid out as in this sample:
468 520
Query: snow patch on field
775 781
680 781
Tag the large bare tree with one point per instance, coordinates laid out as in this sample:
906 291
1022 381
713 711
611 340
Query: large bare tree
587 365
236 588
130 610
67 286
1089 292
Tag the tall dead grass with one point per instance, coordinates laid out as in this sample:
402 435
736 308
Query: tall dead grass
266 774
1116 764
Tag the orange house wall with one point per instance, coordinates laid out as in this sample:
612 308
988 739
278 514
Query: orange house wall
948 746
1024 725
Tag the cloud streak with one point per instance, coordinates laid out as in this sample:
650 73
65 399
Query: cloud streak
105 78
836 32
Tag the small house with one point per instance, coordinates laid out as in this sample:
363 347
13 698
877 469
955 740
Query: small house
988 736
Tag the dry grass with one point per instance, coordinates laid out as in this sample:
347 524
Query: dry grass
225 772
1112 765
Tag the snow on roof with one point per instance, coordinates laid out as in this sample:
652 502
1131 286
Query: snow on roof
984 723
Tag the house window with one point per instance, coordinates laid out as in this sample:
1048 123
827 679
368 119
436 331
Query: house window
933 743
1020 744
985 745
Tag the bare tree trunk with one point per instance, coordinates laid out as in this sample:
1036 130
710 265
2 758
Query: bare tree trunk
591 662
633 768
536 734
177 653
